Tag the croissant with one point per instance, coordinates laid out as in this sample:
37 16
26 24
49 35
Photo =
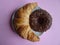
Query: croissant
21 22
24 19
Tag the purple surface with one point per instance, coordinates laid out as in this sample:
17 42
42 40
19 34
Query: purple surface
8 37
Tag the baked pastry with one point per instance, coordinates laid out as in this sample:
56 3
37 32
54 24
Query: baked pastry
30 21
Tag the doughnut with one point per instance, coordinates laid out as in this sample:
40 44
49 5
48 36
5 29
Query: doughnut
40 20
30 21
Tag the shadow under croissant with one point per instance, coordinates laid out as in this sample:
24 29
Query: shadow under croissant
11 21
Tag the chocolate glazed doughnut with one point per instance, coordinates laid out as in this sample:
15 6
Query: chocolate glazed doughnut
29 21
40 20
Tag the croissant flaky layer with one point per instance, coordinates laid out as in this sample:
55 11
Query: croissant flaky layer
21 22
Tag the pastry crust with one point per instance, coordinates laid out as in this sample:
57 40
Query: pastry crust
21 22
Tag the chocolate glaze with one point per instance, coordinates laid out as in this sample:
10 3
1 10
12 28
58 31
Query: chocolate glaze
40 20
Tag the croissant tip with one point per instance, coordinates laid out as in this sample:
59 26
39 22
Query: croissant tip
34 3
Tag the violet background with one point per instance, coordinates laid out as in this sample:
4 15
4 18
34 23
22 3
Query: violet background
8 37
